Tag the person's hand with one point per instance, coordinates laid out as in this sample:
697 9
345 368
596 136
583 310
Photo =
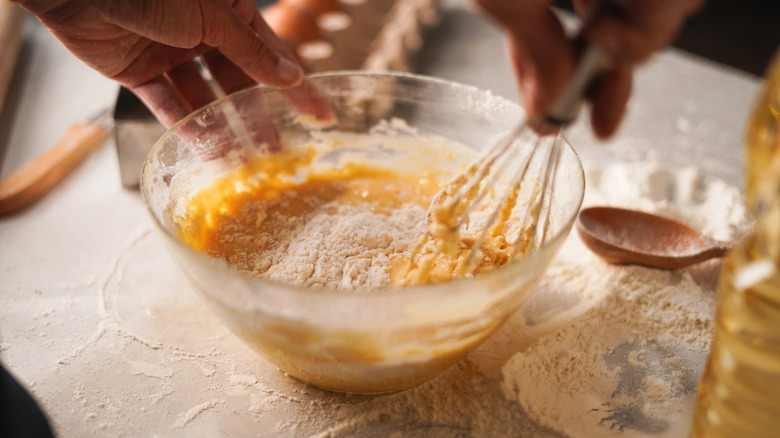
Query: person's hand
150 46
628 31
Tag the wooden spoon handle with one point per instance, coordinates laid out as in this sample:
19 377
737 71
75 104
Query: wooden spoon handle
719 247
723 248
34 179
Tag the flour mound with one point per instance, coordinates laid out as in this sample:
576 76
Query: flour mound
337 246
621 348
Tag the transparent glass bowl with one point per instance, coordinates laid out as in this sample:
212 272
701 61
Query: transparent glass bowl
341 341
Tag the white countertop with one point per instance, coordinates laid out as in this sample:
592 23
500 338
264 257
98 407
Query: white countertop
102 328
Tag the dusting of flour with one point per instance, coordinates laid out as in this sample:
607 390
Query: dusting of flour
619 349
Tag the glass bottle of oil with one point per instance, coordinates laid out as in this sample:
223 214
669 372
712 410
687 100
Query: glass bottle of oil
739 394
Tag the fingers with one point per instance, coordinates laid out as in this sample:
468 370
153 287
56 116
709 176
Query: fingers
163 99
542 55
239 50
307 100
252 110
541 74
174 95
629 31
609 101
166 101
258 24
251 50
194 89
152 60
229 76
256 122
221 24
632 30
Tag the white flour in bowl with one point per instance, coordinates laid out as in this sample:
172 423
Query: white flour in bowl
338 246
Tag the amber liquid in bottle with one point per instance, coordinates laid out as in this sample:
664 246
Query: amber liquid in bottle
739 393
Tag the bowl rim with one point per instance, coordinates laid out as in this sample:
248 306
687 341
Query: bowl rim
361 293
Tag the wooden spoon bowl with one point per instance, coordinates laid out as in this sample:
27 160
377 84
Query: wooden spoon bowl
622 236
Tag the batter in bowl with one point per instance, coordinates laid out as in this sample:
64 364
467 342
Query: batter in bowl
341 211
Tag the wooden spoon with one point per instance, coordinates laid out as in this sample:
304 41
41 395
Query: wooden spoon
36 178
623 236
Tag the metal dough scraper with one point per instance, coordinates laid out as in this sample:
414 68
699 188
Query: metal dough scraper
135 130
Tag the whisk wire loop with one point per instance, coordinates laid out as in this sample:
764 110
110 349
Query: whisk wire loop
520 168
496 222
537 219
472 180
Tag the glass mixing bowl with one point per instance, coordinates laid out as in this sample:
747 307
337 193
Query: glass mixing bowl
337 340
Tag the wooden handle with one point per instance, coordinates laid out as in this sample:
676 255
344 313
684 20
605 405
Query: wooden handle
11 30
33 180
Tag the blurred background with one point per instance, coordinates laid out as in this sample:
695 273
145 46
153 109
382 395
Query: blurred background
739 33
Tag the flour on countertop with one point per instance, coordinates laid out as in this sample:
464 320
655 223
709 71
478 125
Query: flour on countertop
628 355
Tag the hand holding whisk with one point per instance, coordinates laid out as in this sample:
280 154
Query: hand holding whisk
499 207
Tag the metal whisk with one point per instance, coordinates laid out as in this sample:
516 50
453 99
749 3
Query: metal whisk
499 207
